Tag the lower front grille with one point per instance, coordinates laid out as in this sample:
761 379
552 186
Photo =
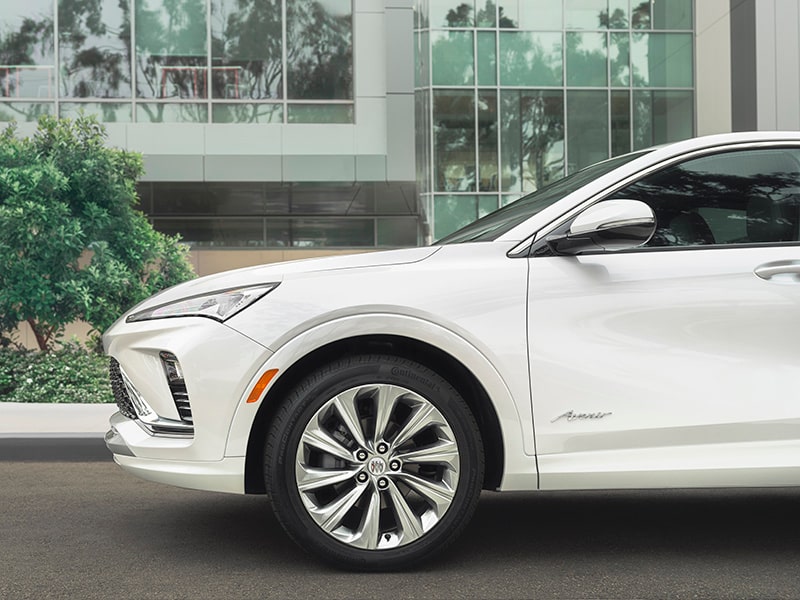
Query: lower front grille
121 395
132 405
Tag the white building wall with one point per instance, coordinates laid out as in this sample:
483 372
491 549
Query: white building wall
778 64
713 66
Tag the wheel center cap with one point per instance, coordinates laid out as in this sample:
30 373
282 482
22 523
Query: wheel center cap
376 466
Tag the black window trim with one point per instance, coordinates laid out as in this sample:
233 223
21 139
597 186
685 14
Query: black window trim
536 246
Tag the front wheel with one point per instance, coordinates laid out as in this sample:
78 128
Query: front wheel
374 462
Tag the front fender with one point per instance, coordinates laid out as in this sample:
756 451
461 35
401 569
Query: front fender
515 418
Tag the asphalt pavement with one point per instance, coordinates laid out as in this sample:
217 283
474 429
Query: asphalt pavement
74 525
88 530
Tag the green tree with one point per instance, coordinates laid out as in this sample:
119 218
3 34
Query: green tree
73 246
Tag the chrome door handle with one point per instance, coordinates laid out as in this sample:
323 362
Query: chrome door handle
784 271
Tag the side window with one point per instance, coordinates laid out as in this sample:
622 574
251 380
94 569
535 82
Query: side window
739 197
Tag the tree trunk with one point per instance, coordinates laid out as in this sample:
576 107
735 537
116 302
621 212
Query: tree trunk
41 339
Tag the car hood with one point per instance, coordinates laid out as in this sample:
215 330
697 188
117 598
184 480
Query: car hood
276 272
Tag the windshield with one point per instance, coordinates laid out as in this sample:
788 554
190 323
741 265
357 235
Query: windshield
505 219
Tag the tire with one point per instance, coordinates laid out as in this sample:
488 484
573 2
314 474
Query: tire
374 463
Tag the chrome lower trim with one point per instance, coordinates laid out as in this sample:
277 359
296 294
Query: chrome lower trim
167 427
116 444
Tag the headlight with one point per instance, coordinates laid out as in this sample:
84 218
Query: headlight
216 305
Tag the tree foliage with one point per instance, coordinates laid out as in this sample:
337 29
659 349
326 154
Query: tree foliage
73 245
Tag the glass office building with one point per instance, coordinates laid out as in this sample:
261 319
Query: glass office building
514 94
273 126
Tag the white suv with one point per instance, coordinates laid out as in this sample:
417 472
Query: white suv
635 325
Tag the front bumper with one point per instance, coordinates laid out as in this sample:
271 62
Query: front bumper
218 364
224 475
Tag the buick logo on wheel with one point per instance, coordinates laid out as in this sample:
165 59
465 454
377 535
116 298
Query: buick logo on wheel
376 466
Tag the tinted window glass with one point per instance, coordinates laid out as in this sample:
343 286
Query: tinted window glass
741 197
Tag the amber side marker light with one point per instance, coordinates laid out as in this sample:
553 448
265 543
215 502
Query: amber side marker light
261 385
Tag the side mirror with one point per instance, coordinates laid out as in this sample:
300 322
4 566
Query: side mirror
607 226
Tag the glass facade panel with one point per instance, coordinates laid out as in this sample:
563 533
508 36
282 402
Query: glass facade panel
210 233
587 128
246 49
397 231
320 49
487 204
25 111
422 74
640 14
674 14
452 57
451 13
206 199
662 60
487 13
618 14
532 144
284 215
27 62
171 54
247 113
587 59
619 56
662 116
319 113
453 212
109 112
487 142
524 14
530 58
94 49
162 112
454 141
487 58
620 122
314 233
585 14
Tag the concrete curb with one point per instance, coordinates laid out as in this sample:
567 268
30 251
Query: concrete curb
54 432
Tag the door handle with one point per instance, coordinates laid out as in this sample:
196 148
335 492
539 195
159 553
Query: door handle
781 271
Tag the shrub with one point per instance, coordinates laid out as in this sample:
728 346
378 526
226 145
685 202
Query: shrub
69 374
73 245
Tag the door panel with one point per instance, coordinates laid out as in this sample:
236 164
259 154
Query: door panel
694 357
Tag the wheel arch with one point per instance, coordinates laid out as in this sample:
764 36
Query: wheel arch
462 378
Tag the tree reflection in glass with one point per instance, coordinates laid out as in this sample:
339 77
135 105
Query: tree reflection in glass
532 126
171 56
95 48
26 50
319 55
454 146
246 47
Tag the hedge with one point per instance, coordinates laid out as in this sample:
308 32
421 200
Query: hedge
70 374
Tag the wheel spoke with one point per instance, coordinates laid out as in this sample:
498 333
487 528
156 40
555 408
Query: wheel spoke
330 516
439 493
346 407
424 416
370 531
408 521
385 401
310 478
322 440
445 453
